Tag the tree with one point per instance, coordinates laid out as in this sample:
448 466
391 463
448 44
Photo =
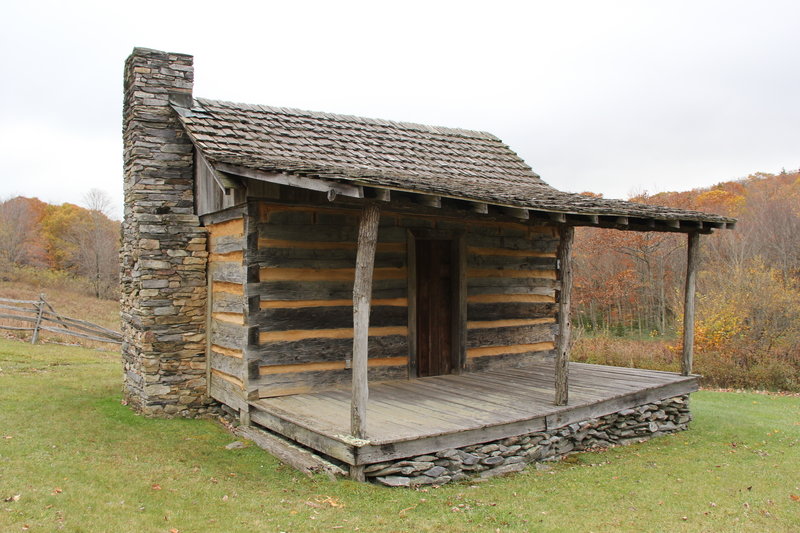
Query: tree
19 231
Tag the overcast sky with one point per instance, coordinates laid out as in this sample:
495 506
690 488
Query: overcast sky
614 97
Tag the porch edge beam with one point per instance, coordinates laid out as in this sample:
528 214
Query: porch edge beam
362 293
693 255
564 322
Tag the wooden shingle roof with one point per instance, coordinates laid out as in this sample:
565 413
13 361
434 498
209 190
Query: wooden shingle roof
455 163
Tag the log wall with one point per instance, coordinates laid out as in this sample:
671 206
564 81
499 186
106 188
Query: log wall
227 307
299 295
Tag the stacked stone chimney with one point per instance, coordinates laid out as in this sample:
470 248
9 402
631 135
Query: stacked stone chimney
163 276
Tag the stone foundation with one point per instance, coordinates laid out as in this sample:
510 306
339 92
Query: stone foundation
514 454
163 257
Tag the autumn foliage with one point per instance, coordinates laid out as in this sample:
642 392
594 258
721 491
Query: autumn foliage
58 244
629 285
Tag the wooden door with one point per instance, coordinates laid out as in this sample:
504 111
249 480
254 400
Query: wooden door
434 307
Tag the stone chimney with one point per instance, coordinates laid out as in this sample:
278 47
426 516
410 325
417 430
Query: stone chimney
163 272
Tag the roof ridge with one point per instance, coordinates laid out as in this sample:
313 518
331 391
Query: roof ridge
441 130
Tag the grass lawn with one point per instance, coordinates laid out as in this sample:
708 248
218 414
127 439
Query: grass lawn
73 458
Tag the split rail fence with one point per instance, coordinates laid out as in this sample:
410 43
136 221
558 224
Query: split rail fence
40 315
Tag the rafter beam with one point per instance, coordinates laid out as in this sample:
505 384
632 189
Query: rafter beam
302 182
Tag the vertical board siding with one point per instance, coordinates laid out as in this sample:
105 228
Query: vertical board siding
226 337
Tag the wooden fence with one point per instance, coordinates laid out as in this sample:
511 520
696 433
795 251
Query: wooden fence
40 314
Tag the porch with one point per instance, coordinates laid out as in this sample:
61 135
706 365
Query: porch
412 417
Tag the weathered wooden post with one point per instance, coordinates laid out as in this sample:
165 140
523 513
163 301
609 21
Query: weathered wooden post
693 256
564 321
362 294
40 307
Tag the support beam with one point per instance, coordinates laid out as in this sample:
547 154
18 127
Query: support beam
281 178
516 212
362 293
688 303
564 321
479 207
430 201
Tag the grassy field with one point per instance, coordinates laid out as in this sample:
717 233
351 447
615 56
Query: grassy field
73 458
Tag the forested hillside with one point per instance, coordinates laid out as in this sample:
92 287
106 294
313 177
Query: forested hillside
629 284
60 244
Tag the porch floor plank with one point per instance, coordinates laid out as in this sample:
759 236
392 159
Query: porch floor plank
436 409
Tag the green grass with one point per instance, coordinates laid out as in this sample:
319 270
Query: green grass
81 461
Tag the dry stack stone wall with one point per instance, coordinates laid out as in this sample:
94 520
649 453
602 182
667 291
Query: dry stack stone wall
513 454
164 253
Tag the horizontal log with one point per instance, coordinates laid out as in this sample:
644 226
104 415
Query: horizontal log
326 317
229 227
227 351
232 366
508 281
295 304
510 289
521 335
542 244
233 380
217 217
332 365
326 274
228 335
227 272
522 262
235 289
509 273
322 258
509 298
266 243
229 318
228 257
321 233
305 382
517 348
509 310
226 244
226 392
332 333
225 302
507 323
508 360
323 290
320 349
506 252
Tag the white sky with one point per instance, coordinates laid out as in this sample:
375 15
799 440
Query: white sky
615 97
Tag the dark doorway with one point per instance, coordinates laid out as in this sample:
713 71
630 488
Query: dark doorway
434 262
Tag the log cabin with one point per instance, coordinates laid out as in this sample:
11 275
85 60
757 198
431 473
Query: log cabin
391 296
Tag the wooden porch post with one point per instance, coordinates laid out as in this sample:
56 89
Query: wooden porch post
362 294
688 303
564 321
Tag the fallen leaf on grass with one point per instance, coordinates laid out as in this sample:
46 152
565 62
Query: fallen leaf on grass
795 497
8 437
155 486
173 530
14 498
57 490
327 500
